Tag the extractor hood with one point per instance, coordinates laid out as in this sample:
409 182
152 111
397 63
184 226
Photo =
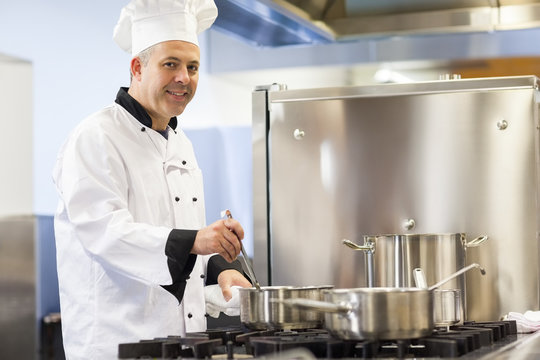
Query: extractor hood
272 23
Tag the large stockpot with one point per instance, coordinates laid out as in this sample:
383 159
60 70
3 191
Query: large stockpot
391 259
260 308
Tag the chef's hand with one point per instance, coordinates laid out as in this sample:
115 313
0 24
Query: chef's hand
222 237
228 278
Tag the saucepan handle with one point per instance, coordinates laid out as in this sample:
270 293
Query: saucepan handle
315 305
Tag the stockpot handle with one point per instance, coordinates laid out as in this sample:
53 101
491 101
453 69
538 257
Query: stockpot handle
316 305
368 245
477 241
369 249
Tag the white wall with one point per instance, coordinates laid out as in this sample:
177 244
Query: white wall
16 104
77 70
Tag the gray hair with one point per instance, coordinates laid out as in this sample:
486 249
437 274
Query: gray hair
144 57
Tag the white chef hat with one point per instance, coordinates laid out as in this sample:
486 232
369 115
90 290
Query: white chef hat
144 23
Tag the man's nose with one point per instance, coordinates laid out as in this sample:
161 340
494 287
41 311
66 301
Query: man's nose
182 76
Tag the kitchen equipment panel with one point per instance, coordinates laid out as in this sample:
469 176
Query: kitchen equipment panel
452 156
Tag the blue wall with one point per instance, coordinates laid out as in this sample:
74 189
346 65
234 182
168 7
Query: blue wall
224 156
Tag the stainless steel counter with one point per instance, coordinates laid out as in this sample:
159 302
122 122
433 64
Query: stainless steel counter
520 347
526 347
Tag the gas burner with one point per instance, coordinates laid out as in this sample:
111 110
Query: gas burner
232 343
171 347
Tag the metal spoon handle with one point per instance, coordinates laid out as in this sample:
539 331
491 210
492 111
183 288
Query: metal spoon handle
456 274
249 269
420 278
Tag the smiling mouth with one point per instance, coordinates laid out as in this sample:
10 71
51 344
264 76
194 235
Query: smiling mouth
177 93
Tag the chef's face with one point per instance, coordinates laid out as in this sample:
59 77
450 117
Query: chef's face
167 82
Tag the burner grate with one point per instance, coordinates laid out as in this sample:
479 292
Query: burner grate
169 348
232 343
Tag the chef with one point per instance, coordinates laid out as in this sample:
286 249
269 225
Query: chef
133 250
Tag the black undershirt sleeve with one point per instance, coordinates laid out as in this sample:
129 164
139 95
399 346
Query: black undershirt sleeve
216 264
181 262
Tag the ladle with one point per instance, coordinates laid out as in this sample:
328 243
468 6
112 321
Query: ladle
447 304
249 269
454 275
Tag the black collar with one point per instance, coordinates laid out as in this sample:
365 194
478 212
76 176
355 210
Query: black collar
134 108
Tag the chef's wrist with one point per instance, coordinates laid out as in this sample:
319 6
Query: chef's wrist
217 264
179 244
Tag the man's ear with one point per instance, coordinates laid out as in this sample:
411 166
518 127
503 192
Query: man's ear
135 68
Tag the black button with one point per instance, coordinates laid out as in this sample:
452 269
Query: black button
143 129
202 276
194 199
184 162
188 277
190 315
177 199
206 315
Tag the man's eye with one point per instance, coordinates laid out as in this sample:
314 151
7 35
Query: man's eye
193 68
170 65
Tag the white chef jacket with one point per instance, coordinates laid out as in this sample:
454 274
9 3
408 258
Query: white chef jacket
123 187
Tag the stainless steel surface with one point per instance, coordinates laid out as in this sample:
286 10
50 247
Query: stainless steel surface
380 313
249 268
260 310
447 303
375 155
447 307
456 274
368 246
443 308
293 22
526 347
409 224
18 323
396 257
419 278
261 215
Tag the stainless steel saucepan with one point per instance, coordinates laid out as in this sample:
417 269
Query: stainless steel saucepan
260 308
447 303
447 307
379 313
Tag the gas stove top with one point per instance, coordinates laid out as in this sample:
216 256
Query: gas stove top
472 340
